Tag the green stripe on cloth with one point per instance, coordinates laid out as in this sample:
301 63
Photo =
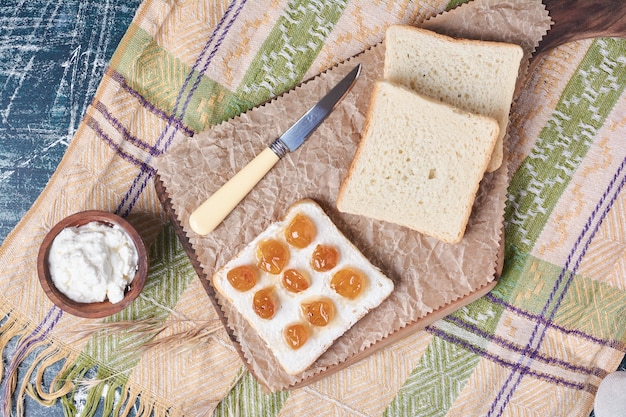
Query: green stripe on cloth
449 361
158 76
434 384
114 354
603 307
290 48
583 107
528 282
247 398
286 55
482 313
455 3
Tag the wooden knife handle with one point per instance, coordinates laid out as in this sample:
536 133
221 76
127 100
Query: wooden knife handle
211 213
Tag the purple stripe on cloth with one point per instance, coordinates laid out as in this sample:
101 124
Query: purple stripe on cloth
95 126
194 68
196 83
614 344
124 131
508 364
139 184
165 139
22 350
146 104
145 171
561 285
514 347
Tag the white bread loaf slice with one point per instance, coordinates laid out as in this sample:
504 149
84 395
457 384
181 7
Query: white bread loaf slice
419 163
473 75
348 311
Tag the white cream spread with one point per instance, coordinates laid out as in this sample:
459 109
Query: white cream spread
93 262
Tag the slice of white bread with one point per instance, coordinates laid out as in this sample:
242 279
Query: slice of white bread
375 288
473 75
419 163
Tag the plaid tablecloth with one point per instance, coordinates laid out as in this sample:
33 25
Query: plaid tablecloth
538 344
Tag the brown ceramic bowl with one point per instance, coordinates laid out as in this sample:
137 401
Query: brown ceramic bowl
98 309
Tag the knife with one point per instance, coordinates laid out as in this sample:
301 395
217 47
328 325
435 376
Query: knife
210 214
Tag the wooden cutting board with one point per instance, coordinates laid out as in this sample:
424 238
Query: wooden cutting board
488 215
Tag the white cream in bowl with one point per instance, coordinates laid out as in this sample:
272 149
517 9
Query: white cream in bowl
93 262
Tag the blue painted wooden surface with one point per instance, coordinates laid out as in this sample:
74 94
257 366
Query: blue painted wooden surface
52 56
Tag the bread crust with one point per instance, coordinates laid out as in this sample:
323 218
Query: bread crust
357 155
451 39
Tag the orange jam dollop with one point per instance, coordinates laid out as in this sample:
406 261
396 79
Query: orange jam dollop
265 302
295 281
242 278
296 335
319 312
348 282
300 232
272 256
324 258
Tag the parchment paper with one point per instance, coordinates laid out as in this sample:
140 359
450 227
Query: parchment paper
428 274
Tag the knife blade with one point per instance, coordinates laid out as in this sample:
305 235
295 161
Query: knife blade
217 207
